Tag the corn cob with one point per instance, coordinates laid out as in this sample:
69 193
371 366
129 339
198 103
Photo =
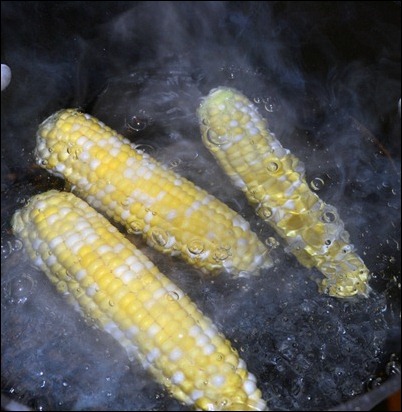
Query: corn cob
113 283
174 216
274 183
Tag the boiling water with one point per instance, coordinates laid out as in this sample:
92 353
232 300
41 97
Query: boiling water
308 351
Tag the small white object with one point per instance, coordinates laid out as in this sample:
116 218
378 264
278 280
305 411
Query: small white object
5 76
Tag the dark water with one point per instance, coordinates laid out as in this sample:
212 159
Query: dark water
327 78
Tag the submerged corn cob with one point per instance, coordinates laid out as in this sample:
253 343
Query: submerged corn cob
173 215
273 181
116 285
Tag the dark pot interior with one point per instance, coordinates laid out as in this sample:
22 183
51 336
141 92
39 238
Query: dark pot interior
326 75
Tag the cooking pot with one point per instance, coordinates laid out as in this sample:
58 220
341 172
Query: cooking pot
325 75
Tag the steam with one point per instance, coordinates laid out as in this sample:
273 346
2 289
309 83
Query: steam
327 79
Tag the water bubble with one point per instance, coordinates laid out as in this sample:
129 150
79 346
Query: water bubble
221 253
393 367
374 382
79 292
76 152
264 212
137 123
68 275
125 202
328 217
22 288
147 148
257 100
135 227
188 157
347 249
271 242
172 295
8 247
69 149
328 242
270 104
175 163
257 193
273 166
317 183
150 210
17 245
195 246
160 237
216 139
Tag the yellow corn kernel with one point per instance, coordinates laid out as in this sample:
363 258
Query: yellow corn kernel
124 298
173 215
274 183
